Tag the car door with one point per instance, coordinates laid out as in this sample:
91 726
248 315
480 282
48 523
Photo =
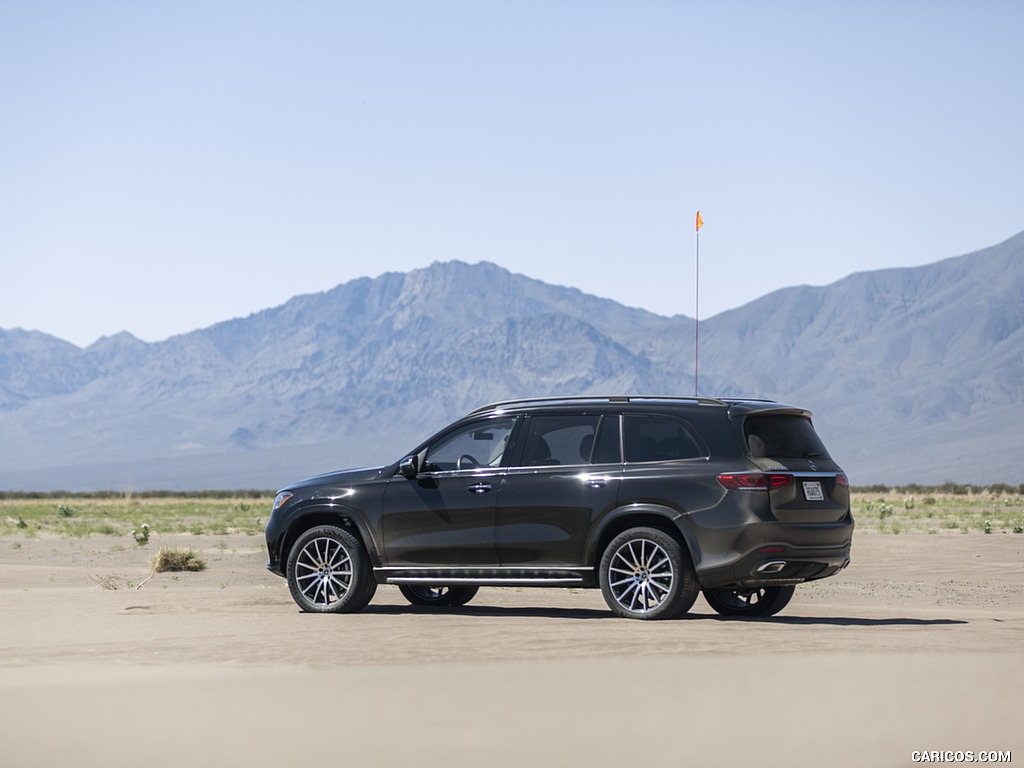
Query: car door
444 516
564 476
666 464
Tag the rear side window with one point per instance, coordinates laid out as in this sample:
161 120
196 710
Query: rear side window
606 449
660 438
782 436
559 440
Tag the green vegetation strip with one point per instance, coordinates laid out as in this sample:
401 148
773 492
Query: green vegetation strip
930 510
134 516
900 510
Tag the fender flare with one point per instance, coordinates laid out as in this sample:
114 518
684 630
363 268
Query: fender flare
645 513
321 511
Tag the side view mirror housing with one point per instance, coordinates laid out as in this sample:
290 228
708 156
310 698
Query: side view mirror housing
407 467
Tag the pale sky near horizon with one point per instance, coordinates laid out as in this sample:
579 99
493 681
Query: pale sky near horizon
168 165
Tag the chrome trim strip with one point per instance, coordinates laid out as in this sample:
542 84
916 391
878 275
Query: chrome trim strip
486 581
520 568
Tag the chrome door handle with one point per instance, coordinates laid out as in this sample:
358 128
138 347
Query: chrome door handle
479 488
596 482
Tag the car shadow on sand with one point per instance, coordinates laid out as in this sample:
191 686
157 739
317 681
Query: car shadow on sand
841 621
519 612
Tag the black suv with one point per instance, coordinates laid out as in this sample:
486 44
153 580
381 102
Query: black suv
652 499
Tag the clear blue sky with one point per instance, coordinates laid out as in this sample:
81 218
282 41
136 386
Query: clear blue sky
167 165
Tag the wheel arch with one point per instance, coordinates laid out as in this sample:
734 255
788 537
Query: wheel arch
329 514
655 516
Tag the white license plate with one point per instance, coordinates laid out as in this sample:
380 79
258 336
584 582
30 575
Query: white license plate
812 491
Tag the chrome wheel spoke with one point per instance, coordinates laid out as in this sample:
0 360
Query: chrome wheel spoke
324 571
640 575
663 588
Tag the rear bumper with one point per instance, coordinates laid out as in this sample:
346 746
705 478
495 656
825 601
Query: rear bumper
787 565
777 554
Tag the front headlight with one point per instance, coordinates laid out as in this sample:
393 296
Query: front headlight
281 499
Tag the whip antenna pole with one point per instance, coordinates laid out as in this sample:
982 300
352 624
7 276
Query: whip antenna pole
696 310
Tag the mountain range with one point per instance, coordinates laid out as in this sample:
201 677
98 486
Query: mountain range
914 375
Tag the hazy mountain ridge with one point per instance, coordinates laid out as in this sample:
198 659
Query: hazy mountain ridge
360 372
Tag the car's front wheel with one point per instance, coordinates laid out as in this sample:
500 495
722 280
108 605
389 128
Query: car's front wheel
441 596
329 571
766 601
646 574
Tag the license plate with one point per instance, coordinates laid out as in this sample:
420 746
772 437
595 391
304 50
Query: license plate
813 492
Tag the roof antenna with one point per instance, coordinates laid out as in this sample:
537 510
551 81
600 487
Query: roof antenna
696 310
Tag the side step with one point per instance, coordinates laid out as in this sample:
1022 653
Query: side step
489 581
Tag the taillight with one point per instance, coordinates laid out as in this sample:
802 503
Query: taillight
843 480
747 481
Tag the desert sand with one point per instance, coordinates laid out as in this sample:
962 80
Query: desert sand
918 646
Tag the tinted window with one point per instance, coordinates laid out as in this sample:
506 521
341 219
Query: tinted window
554 440
477 445
659 438
606 449
782 436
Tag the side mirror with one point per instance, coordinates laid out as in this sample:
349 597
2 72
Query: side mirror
407 467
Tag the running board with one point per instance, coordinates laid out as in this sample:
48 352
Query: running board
485 581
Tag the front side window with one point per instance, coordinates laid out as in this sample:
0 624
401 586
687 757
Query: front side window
481 444
660 438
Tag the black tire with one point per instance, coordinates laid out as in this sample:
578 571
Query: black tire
448 597
330 572
647 574
766 601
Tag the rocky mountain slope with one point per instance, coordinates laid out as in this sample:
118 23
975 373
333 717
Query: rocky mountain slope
915 375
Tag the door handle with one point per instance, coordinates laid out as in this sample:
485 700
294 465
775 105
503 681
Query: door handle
596 482
479 488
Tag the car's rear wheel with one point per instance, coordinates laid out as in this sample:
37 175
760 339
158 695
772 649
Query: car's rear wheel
329 571
766 601
441 596
646 574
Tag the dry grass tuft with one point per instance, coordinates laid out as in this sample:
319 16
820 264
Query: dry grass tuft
177 559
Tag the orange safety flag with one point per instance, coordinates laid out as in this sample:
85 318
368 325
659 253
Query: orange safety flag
700 221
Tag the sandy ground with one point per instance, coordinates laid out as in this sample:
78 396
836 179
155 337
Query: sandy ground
918 646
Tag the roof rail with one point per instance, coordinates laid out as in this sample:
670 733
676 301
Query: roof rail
596 399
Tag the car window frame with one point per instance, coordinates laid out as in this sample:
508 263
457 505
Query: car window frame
694 434
510 445
519 449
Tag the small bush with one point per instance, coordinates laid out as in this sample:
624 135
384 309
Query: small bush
177 559
141 536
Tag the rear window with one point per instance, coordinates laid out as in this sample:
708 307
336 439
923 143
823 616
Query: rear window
782 436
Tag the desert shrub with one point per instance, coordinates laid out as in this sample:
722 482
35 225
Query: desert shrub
177 559
141 535
877 488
